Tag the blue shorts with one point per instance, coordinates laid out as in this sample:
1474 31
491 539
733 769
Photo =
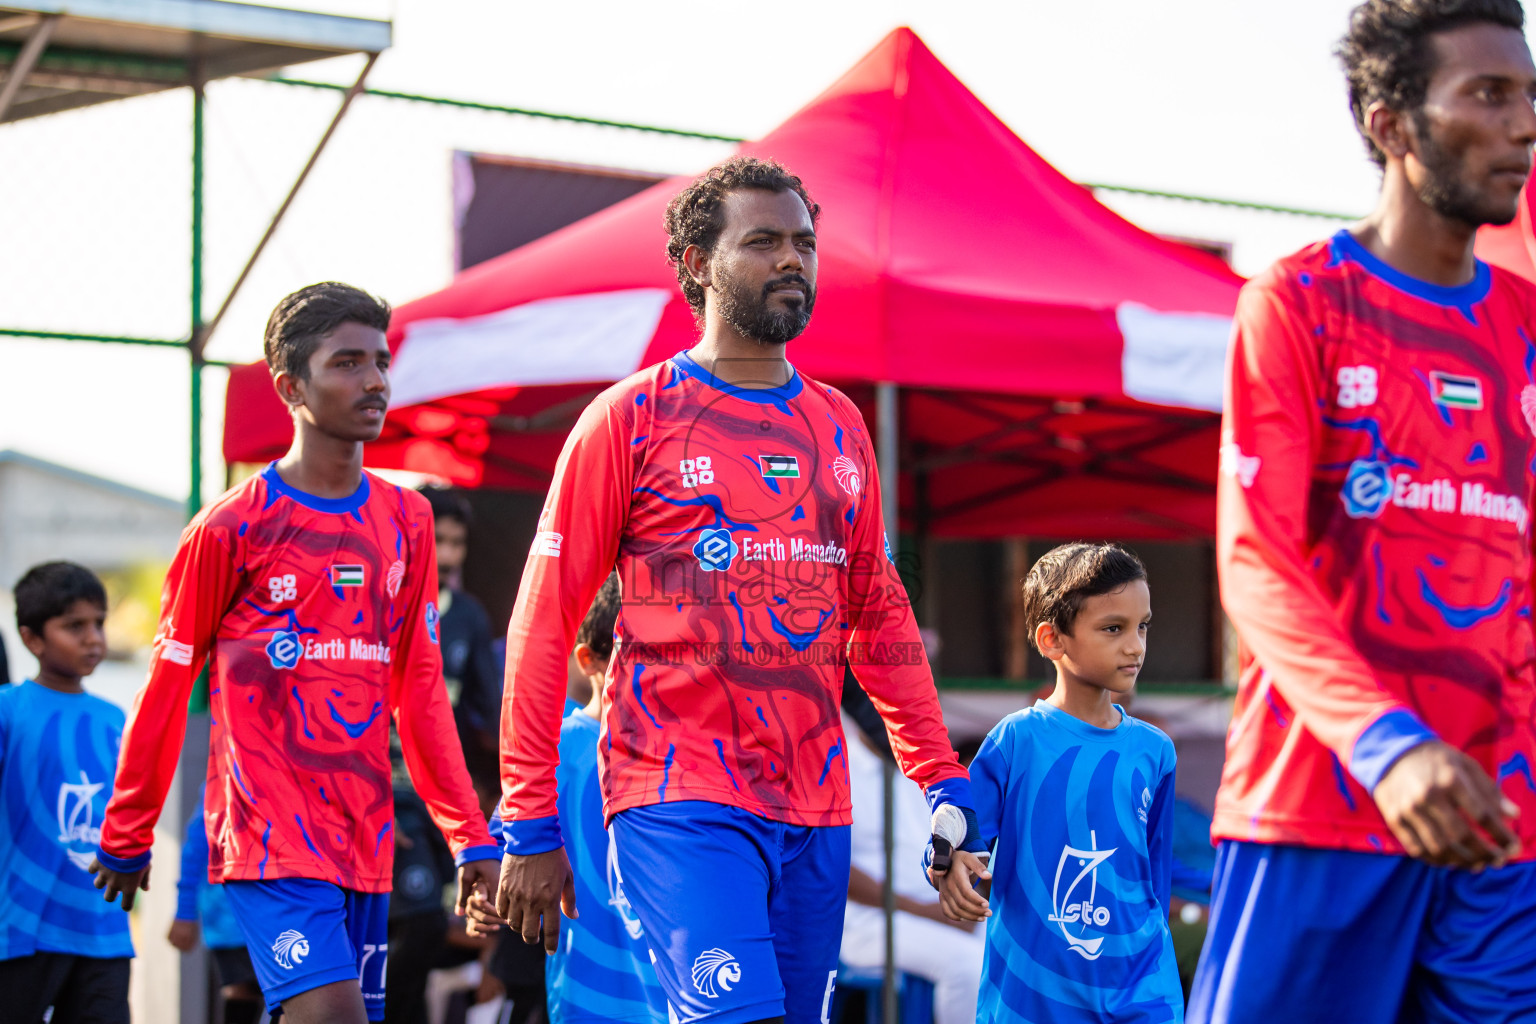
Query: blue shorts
1300 934
744 916
304 933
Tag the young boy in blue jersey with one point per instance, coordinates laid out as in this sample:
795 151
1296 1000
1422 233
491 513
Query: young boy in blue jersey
1075 801
60 945
602 970
203 911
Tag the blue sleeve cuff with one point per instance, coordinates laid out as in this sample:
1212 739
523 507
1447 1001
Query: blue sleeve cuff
471 853
531 835
186 903
955 791
121 864
1383 742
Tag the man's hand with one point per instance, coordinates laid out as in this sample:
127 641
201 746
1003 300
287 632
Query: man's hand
126 882
1436 799
534 889
957 897
477 878
183 935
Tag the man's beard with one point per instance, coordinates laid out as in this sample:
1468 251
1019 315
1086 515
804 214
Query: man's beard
749 312
1444 189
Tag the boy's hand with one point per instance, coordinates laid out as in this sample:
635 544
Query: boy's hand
935 912
477 878
183 935
480 916
957 897
126 882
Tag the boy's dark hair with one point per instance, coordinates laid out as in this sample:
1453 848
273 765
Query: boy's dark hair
1065 576
448 504
47 591
596 630
694 217
1387 53
309 314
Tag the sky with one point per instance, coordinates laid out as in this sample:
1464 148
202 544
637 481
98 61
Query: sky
1233 98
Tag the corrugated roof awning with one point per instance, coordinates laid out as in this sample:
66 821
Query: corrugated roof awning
76 53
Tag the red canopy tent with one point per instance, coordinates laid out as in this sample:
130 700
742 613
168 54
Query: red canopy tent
1058 368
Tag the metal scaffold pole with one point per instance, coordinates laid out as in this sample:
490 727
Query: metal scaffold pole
195 336
886 455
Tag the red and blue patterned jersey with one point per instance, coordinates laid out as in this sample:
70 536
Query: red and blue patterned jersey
318 622
1374 539
746 528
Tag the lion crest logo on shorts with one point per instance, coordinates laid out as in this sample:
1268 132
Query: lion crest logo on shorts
715 967
290 949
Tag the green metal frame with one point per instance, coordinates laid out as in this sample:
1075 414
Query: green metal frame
165 71
152 70
195 332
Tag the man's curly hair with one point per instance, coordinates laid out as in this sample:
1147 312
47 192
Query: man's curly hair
1387 53
694 217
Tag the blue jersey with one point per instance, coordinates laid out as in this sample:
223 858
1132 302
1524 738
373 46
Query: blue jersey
1080 823
603 970
197 898
58 755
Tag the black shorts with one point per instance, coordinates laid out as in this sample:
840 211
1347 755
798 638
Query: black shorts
81 989
515 963
235 965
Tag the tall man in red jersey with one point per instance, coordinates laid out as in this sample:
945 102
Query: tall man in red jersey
1377 810
310 590
741 504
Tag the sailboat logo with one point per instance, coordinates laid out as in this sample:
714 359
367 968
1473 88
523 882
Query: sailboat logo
1066 906
75 820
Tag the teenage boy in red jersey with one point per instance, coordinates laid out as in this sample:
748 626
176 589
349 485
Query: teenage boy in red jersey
1374 545
311 591
740 502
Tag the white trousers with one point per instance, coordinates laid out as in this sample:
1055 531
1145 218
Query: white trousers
946 956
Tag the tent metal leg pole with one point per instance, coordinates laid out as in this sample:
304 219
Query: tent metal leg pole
194 976
298 183
36 43
886 452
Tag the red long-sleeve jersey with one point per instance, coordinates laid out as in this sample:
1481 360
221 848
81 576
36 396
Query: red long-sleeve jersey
746 528
317 620
1374 539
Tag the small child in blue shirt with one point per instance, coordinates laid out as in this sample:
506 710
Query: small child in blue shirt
61 944
1074 798
202 910
602 970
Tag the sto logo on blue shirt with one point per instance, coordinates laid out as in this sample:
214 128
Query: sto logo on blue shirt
1367 487
284 649
715 550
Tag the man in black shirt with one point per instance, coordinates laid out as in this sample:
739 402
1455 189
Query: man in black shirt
469 666
421 937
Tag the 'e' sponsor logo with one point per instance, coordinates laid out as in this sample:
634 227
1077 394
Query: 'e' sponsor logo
1367 489
715 550
284 649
